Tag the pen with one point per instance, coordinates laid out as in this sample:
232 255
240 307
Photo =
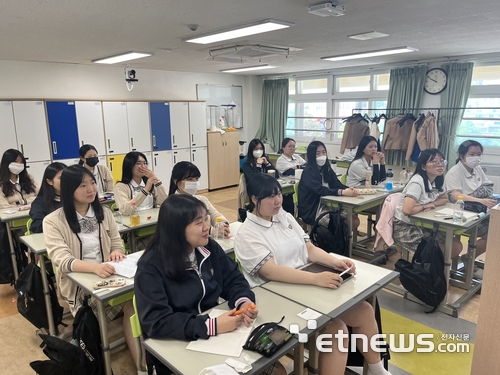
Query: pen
448 218
239 312
345 271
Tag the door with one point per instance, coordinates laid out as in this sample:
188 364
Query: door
8 138
63 130
161 138
179 125
90 125
115 163
162 164
138 126
31 129
199 158
198 124
181 155
116 127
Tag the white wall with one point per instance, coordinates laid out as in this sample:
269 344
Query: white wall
35 80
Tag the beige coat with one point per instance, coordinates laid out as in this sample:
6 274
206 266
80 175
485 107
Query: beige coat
427 136
64 247
212 211
106 178
353 132
124 197
8 202
396 137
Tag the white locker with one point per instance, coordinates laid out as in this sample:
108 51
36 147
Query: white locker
198 124
31 128
162 164
181 155
179 125
116 126
7 127
139 129
90 125
70 162
199 157
36 170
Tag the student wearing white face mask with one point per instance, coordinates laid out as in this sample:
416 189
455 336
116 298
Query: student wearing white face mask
257 161
17 187
466 178
185 180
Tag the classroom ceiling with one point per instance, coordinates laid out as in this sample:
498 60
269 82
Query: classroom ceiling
75 31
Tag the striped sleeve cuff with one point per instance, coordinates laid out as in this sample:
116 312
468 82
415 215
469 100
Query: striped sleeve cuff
339 192
211 324
144 192
158 183
241 301
70 265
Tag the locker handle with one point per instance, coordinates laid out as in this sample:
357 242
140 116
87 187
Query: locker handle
82 143
173 138
175 160
192 137
22 149
193 157
111 166
155 162
132 142
54 147
109 143
154 140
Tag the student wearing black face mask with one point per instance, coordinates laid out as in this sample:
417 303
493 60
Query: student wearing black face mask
89 159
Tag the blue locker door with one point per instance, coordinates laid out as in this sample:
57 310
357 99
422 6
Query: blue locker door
160 126
63 130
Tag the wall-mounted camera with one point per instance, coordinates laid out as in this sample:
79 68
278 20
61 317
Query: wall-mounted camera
130 78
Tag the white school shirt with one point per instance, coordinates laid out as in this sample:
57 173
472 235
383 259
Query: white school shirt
258 240
147 203
459 178
415 189
357 172
284 163
89 235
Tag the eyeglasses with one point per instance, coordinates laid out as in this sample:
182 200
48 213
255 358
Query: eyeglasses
142 163
438 162
292 147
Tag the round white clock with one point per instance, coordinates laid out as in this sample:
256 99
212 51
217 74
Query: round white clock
435 81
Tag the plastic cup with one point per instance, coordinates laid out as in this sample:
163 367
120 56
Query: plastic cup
135 220
271 173
298 173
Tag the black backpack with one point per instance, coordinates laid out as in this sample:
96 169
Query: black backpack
30 298
332 238
6 269
424 276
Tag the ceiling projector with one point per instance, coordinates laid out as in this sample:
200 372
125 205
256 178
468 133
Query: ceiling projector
327 10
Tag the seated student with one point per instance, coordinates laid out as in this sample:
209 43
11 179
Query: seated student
257 161
89 159
318 180
424 192
270 245
185 180
17 187
182 274
288 162
466 178
49 196
79 237
139 184
368 158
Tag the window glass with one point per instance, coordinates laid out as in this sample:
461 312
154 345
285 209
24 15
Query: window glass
343 110
308 116
291 87
353 84
482 118
312 86
486 75
381 82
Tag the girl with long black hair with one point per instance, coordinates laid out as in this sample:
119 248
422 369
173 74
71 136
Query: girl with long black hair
17 187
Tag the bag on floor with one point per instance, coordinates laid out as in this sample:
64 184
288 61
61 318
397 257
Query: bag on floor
424 276
87 335
31 301
65 358
330 233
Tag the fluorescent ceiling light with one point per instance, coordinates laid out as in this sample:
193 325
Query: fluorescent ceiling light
368 35
361 55
238 32
247 68
122 57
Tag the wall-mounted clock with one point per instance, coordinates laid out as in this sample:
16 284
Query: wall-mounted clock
435 81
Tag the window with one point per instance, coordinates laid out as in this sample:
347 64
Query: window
356 83
481 122
381 82
486 75
314 121
312 86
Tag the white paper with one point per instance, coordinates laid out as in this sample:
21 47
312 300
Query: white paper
228 344
10 212
218 370
128 266
449 212
309 314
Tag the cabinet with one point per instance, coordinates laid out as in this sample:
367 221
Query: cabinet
8 138
115 163
63 130
31 129
179 125
138 126
36 170
115 124
90 125
223 159
200 159
198 124
162 164
161 138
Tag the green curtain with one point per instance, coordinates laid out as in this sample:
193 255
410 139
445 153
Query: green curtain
406 89
274 112
455 95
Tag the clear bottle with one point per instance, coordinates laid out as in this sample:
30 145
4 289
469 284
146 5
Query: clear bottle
118 218
219 229
403 175
458 211
368 178
389 179
408 175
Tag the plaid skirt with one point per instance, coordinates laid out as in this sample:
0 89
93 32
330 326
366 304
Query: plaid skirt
409 235
110 312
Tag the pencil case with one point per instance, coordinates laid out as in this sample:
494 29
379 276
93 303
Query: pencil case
267 338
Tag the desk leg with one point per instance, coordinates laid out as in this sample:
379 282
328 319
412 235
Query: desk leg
12 251
298 360
132 241
444 306
349 229
104 337
46 296
313 363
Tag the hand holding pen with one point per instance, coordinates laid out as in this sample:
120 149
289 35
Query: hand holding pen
248 311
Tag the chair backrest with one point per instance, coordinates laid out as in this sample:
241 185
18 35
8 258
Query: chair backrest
28 227
296 193
343 179
134 322
243 198
113 206
301 149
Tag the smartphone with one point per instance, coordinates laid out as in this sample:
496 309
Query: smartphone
112 283
317 268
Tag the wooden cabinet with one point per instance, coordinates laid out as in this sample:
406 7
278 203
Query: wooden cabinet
223 159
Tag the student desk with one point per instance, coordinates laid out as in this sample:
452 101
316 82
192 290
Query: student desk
173 353
287 183
452 229
357 204
8 218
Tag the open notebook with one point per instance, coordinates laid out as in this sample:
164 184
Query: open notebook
128 266
229 344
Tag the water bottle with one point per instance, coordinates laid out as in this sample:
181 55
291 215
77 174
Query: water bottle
388 180
458 211
219 229
118 218
408 175
403 176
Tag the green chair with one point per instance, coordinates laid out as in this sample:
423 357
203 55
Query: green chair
28 227
343 179
305 226
137 333
301 149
